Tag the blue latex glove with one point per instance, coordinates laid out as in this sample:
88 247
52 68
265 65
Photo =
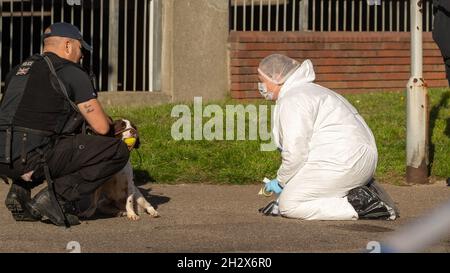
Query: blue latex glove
274 186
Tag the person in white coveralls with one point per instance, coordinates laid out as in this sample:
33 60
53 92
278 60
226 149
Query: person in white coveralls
326 147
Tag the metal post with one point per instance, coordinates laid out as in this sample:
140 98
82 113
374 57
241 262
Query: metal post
329 16
11 23
144 59
304 15
269 7
113 42
398 16
100 73
313 28
42 24
260 14
153 12
417 105
337 16
252 16
368 18
82 19
321 15
135 44
31 28
353 15
52 11
277 15
293 16
383 16
405 18
360 16
91 56
285 17
244 17
390 17
345 15
125 45
21 30
235 15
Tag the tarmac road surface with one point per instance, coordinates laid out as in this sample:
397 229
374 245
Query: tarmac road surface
217 218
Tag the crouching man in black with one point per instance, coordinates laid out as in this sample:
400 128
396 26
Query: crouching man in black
48 101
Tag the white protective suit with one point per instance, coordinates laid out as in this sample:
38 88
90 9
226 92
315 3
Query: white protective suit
327 149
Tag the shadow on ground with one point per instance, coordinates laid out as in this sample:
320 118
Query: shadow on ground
154 200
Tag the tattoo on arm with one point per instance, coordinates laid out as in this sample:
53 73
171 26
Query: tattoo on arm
88 108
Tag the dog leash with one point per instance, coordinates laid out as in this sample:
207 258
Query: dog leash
140 158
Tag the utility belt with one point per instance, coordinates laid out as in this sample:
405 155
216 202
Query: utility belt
20 141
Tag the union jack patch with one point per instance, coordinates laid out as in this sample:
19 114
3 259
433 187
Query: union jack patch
23 71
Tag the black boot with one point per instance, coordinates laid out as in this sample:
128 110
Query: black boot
19 194
42 206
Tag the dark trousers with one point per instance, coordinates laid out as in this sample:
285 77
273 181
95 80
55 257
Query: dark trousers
81 164
78 164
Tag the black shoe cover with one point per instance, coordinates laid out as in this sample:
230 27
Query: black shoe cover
372 202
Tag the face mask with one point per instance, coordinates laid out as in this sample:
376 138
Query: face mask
262 88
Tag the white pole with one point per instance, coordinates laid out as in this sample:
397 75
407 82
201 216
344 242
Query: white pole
417 105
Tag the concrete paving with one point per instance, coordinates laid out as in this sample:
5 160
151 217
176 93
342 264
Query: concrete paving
217 218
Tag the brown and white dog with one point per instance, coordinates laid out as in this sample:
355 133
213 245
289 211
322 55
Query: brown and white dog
119 196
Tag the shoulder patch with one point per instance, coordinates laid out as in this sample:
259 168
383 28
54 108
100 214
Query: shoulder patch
24 68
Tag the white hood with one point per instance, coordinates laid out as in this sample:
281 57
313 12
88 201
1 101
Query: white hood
304 74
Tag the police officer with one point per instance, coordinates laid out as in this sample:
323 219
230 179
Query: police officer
58 104
441 34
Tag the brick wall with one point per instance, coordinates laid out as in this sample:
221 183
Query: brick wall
346 62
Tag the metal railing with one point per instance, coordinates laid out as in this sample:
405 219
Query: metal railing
130 53
324 15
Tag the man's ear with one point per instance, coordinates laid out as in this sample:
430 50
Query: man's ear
67 47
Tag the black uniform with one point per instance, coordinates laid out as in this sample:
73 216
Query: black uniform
441 30
78 163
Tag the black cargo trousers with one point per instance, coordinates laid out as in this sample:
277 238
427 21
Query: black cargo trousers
80 164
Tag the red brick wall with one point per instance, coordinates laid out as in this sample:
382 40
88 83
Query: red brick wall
346 62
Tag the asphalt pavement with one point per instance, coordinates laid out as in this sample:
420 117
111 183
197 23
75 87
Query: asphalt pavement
217 218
